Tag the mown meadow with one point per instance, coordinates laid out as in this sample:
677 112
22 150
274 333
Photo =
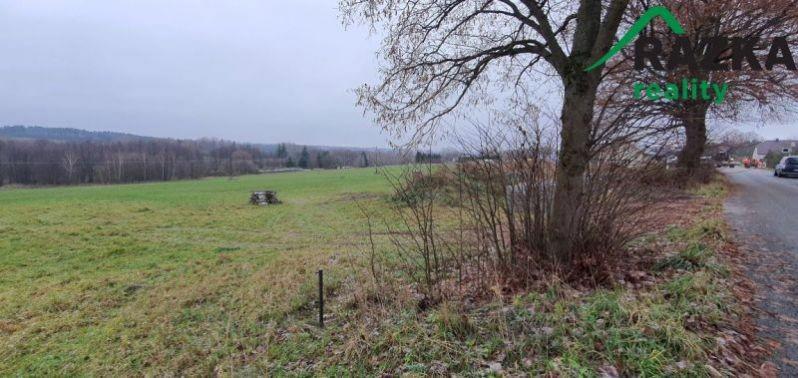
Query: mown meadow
167 277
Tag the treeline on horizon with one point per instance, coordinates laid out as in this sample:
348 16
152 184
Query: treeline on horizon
44 162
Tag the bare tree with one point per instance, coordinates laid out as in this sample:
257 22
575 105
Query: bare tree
242 162
751 88
70 162
119 165
438 55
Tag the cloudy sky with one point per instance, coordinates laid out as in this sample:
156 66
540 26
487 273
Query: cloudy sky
247 70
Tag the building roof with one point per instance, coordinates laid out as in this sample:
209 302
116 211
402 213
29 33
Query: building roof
776 145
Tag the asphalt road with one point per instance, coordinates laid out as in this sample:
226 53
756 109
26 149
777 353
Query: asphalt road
763 210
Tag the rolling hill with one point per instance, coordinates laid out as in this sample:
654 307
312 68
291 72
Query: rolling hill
66 134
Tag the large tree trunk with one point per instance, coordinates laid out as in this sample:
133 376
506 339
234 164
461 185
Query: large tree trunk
572 163
695 130
576 117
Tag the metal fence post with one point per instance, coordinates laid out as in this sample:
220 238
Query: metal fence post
321 298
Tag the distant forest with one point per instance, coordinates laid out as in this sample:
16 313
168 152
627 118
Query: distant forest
44 156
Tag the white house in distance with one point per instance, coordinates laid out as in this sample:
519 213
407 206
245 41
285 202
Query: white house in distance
787 147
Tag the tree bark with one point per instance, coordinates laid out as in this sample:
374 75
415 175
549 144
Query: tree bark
695 130
572 163
591 38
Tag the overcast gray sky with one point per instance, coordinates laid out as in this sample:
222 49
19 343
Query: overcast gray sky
247 70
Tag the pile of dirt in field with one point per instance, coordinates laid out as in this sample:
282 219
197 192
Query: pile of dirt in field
263 198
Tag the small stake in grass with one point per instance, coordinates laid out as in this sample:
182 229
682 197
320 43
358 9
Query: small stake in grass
321 298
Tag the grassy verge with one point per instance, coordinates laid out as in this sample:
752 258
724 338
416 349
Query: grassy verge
673 312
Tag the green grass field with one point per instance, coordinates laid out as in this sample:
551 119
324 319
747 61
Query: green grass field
187 278
169 277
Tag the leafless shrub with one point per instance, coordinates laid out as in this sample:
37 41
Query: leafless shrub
509 186
422 248
483 222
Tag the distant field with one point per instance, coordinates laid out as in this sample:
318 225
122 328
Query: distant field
165 277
